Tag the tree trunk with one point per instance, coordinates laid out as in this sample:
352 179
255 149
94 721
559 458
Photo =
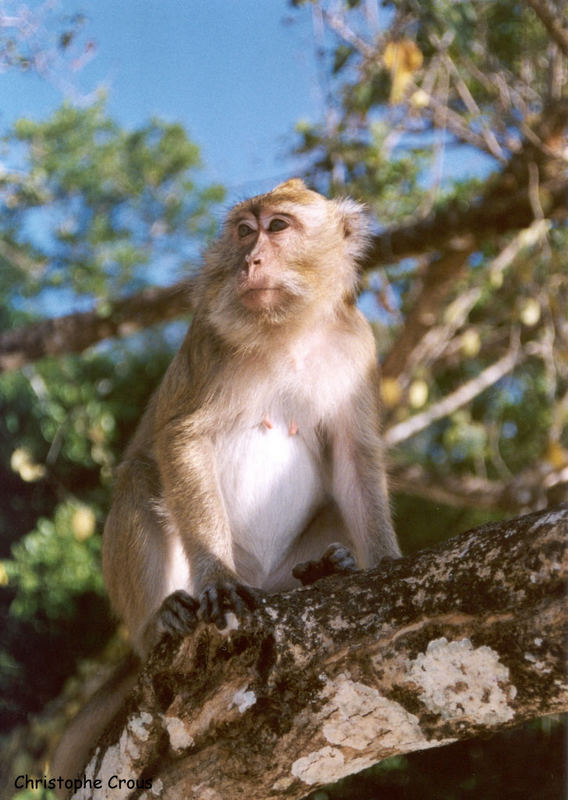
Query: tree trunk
457 641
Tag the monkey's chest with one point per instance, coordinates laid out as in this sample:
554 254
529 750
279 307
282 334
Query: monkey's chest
272 486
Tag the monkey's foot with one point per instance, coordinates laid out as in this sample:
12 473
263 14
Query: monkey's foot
217 599
178 614
337 560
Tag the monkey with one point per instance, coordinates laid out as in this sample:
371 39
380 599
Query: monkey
258 465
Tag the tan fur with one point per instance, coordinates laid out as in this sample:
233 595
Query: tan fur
261 446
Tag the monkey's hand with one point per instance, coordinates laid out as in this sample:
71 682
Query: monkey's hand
336 560
178 614
227 595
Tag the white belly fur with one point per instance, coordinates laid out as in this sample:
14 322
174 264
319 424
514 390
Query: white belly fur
272 486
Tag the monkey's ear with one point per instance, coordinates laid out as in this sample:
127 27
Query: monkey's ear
293 185
355 224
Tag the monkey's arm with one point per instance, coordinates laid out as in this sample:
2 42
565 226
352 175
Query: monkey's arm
359 483
195 507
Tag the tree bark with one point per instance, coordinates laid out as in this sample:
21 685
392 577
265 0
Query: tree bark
457 641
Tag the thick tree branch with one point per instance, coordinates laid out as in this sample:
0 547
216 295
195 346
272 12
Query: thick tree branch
73 333
438 279
458 641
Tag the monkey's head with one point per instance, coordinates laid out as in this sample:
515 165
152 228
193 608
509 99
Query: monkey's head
283 258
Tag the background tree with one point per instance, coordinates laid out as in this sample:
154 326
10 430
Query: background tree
91 211
473 324
469 306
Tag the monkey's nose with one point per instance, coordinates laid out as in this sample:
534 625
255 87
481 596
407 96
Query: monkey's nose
252 263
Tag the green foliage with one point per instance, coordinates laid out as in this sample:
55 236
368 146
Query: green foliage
389 182
63 426
34 794
341 56
61 553
96 206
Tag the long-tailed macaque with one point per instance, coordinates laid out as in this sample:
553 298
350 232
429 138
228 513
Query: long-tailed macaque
261 448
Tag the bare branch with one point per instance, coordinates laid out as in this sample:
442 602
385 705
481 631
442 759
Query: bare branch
492 145
531 489
457 399
461 130
340 27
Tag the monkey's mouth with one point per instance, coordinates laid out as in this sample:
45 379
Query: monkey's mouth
261 297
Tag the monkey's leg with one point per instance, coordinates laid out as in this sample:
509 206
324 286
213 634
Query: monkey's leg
326 534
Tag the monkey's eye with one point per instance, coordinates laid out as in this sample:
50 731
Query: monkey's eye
277 225
244 230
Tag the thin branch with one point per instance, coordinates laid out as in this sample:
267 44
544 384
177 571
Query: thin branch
453 401
340 27
491 140
530 490
460 129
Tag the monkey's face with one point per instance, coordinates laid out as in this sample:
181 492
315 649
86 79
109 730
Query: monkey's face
267 242
286 256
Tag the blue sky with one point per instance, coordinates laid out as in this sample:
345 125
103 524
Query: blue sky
229 70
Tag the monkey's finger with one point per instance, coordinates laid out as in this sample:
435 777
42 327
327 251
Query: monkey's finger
308 571
252 597
340 559
178 613
212 606
232 601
